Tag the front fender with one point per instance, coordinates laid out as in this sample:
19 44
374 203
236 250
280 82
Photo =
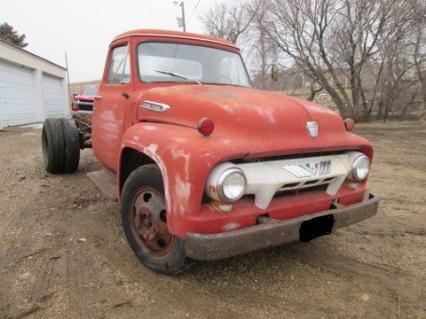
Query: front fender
185 159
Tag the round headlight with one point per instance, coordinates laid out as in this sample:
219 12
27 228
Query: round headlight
360 168
231 185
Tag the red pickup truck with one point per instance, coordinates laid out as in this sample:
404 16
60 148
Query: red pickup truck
84 102
204 165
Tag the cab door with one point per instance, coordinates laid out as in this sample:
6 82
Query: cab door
111 105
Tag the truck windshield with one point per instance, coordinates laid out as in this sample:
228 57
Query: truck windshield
89 92
192 63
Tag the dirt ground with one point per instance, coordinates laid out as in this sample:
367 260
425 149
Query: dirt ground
63 253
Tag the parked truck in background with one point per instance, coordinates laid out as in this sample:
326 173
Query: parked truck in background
203 165
83 102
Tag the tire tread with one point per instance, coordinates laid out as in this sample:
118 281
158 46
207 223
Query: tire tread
72 146
54 163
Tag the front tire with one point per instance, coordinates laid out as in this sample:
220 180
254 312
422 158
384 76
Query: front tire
144 220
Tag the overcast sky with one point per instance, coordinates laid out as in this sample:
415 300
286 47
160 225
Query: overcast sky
84 28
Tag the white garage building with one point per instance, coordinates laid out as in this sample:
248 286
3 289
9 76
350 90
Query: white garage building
31 88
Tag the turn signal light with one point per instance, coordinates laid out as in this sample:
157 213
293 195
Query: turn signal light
205 126
349 124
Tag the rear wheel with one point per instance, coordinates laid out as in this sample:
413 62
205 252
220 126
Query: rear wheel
72 146
144 219
61 146
53 146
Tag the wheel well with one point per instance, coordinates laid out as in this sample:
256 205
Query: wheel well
131 159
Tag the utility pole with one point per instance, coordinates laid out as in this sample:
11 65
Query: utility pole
182 5
181 20
68 77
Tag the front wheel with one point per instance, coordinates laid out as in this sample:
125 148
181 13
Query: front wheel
144 220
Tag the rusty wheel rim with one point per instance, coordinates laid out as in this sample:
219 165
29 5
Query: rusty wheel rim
150 222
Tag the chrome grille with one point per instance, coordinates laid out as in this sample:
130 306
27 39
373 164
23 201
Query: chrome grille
305 184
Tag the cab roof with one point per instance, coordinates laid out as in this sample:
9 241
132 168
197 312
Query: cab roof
175 34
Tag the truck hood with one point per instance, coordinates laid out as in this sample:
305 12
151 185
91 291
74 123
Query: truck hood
84 97
248 116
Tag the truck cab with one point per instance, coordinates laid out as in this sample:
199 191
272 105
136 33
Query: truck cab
141 61
205 166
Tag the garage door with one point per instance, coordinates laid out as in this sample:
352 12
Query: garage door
17 95
54 102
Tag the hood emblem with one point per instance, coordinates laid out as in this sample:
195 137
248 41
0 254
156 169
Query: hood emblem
312 128
303 170
155 106
312 168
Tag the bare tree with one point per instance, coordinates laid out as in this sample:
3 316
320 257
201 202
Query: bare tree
331 40
261 51
396 87
315 89
419 55
227 20
420 60
368 55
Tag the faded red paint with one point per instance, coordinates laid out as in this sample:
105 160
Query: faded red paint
249 123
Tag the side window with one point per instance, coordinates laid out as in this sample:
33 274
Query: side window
119 67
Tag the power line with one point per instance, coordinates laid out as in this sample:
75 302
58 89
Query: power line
195 9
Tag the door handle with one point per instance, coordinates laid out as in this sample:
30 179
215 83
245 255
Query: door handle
125 94
98 97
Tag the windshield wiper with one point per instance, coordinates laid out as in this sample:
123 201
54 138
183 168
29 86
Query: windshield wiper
179 76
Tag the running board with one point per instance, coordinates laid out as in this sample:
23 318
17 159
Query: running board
106 182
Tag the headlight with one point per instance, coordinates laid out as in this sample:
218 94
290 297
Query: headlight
360 168
229 185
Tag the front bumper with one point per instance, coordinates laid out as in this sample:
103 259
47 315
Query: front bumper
270 232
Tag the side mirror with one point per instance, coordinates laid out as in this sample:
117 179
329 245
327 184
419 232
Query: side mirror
274 72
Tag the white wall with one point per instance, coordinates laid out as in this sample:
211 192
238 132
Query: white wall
17 94
39 67
54 95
